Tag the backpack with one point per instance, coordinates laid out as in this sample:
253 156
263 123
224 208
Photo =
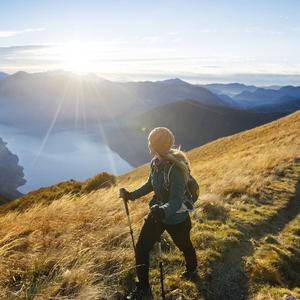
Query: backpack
191 191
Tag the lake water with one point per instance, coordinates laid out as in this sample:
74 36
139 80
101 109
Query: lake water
62 156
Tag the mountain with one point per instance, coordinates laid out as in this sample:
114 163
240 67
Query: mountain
31 101
3 75
272 87
285 99
245 228
11 175
193 123
263 99
174 81
229 89
287 104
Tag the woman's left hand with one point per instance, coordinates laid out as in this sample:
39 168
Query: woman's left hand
157 212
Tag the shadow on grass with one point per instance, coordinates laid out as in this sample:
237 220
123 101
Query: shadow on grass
228 279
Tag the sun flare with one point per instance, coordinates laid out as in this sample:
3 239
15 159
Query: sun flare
76 57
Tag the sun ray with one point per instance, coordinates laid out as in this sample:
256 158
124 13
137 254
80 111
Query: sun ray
51 126
101 128
113 120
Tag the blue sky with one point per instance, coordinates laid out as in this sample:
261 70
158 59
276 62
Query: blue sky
197 40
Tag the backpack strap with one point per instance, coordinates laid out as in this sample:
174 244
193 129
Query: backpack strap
167 172
153 163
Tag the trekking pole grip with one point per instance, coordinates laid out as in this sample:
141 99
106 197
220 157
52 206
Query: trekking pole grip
125 201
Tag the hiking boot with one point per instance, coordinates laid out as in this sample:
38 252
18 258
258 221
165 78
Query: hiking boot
140 293
189 274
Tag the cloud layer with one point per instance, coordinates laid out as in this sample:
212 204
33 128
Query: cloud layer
11 33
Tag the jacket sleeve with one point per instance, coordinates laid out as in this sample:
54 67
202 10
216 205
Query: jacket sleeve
176 192
143 190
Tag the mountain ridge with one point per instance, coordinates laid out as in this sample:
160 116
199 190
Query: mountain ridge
35 98
129 137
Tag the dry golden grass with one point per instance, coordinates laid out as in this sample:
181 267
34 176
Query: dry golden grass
78 246
276 260
275 293
99 181
61 242
46 195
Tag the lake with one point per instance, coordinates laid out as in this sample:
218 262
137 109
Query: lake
61 156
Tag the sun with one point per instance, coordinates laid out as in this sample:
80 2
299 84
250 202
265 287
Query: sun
76 57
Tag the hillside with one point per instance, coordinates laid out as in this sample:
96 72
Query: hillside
245 229
3 200
193 123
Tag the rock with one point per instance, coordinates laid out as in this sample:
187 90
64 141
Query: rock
289 297
11 175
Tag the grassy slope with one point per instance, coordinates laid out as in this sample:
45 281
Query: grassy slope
3 200
78 246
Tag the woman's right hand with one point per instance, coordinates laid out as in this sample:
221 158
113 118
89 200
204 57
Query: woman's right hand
124 194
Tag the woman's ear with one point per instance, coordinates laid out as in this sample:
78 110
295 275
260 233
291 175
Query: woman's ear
151 150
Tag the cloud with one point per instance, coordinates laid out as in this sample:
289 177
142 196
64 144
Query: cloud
151 39
208 30
273 32
174 33
12 50
284 17
10 33
34 29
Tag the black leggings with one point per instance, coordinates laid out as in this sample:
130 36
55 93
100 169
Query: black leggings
150 233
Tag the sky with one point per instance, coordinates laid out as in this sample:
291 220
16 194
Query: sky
255 41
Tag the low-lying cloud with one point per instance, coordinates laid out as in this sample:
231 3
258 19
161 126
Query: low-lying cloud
11 33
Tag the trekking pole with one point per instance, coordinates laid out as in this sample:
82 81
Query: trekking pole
160 265
129 223
161 270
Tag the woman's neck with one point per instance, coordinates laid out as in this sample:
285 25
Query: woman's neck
158 157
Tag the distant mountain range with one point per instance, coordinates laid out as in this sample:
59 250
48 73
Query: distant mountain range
285 99
3 75
30 99
230 89
193 123
264 99
27 98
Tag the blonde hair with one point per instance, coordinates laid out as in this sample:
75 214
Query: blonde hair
179 158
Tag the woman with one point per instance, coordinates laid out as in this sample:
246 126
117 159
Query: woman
166 211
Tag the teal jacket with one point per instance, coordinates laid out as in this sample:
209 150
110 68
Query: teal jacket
170 200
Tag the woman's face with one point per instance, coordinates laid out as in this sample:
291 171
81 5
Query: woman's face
152 151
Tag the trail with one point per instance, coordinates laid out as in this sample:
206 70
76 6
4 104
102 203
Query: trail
228 279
